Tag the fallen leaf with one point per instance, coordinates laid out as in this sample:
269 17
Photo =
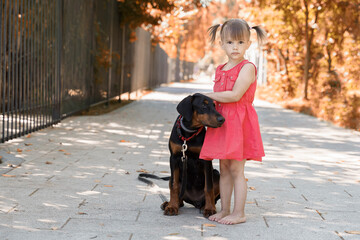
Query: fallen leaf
209 225
173 234
81 213
123 141
252 188
142 170
47 162
246 179
54 228
97 181
164 171
108 185
19 150
249 202
7 175
61 150
28 136
67 153
28 144
353 232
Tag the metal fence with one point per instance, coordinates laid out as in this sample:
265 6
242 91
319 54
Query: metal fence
29 72
63 56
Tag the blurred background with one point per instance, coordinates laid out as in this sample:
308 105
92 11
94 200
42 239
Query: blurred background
64 56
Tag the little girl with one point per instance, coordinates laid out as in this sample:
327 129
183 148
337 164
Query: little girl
238 139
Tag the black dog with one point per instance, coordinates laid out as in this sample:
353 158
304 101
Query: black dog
192 180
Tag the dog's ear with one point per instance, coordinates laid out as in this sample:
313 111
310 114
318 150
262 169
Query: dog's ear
185 108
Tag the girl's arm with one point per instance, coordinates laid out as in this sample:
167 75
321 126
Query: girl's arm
244 80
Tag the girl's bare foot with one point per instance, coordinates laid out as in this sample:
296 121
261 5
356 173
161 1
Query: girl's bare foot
232 219
217 216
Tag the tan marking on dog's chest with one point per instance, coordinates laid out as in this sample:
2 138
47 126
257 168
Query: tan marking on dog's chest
195 149
175 148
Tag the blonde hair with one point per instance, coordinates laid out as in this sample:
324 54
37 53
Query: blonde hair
236 29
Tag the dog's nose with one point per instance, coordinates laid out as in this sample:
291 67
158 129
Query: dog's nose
220 119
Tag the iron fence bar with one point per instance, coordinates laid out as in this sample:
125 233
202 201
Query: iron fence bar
16 77
59 11
40 75
52 62
26 75
2 71
33 65
50 78
10 83
47 63
37 67
22 62
15 66
42 58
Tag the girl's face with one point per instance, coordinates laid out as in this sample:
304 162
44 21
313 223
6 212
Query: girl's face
235 49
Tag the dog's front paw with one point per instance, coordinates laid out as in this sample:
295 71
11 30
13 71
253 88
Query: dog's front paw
208 212
164 205
171 210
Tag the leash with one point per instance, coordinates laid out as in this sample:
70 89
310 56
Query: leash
184 159
184 148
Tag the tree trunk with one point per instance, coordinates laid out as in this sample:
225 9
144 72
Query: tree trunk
307 53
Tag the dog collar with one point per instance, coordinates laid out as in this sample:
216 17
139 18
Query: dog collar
179 126
183 126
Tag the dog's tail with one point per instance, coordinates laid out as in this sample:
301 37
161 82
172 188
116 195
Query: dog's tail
148 175
142 177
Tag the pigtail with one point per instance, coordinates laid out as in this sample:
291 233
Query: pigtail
261 34
212 32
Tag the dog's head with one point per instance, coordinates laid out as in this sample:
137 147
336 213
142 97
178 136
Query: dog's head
200 110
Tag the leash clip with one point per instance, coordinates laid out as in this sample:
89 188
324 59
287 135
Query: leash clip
183 149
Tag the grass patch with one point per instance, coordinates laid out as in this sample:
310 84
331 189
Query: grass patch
104 108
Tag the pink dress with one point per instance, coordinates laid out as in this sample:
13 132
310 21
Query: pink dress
239 137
